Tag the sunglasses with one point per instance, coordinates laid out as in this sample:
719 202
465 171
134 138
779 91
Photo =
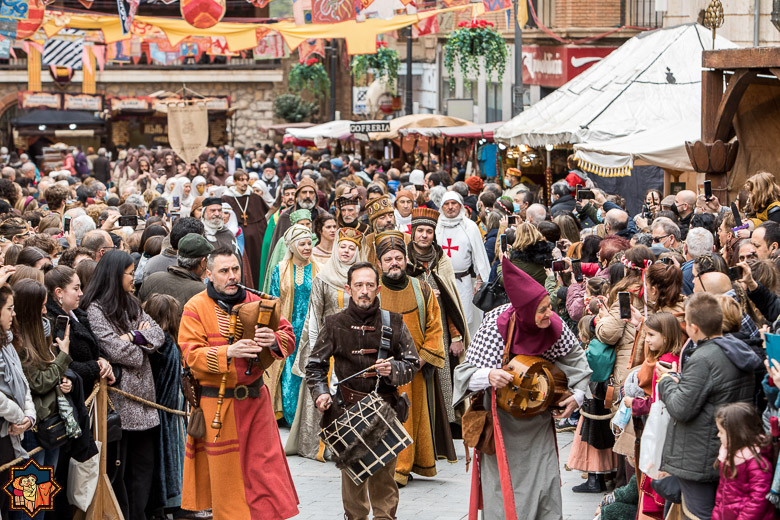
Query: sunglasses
658 239
745 258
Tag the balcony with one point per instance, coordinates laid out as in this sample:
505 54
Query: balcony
604 13
641 13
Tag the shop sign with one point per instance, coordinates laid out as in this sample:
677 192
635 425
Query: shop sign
221 103
373 126
83 102
157 130
129 103
550 66
29 99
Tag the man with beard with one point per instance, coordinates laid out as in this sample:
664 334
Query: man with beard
270 182
243 473
305 198
215 230
250 210
350 338
285 199
348 213
382 218
428 263
404 204
461 240
415 301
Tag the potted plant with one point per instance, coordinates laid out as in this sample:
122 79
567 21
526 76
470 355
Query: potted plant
309 75
469 44
384 64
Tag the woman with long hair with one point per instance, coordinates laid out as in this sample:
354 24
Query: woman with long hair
530 252
764 198
44 363
291 282
127 336
17 409
327 297
325 229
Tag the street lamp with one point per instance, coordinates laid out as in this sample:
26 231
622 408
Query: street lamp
548 171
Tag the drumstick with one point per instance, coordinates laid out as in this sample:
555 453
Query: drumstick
358 373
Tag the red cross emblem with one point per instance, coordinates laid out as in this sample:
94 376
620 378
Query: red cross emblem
449 247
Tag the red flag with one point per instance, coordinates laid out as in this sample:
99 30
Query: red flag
428 26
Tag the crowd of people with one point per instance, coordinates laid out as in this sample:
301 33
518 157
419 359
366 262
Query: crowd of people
424 282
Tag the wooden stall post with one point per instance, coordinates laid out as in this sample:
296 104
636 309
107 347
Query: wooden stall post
104 504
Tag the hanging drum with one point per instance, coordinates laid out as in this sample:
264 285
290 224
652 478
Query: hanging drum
202 14
537 385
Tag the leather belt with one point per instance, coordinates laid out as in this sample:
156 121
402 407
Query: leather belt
464 274
353 396
365 351
239 393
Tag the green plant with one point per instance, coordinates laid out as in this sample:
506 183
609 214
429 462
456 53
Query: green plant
293 109
471 42
384 63
311 75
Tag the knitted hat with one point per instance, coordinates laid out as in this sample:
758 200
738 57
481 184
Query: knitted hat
351 234
404 193
423 216
388 241
475 184
378 207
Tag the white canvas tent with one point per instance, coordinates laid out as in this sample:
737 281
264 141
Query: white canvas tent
647 92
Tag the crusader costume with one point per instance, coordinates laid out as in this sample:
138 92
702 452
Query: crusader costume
243 473
250 210
535 477
351 338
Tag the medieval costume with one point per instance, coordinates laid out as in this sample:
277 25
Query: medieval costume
461 239
279 251
243 472
250 210
320 256
291 283
375 209
284 223
185 200
327 297
530 444
350 338
434 268
356 224
272 217
216 232
403 224
415 301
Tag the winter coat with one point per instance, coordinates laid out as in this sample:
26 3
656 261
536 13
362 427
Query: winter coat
744 496
611 330
766 302
712 373
83 345
490 244
564 204
575 301
532 260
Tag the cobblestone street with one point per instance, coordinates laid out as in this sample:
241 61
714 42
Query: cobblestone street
444 497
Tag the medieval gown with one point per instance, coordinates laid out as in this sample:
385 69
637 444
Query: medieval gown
530 442
304 433
286 288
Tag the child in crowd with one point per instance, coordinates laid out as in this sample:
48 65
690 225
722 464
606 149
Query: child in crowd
745 465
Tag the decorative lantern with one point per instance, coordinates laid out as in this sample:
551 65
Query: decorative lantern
202 14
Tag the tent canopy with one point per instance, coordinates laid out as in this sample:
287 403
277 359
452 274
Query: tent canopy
484 131
652 82
417 121
331 130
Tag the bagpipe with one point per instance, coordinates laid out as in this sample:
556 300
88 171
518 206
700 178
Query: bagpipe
251 315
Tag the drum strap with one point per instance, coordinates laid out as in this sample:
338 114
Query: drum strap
387 336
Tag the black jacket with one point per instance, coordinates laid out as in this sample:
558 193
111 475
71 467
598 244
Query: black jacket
713 373
564 204
101 169
83 345
766 302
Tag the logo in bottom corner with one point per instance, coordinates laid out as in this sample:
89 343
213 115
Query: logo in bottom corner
32 488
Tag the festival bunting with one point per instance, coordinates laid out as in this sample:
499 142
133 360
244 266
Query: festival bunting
271 47
427 26
118 52
496 5
310 48
5 48
302 12
332 11
65 49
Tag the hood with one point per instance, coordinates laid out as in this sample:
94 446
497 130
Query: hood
739 353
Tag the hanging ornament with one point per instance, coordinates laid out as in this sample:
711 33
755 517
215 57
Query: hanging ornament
61 75
202 14
35 12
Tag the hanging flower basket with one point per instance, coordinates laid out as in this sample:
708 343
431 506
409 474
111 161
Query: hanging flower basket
471 42
309 75
384 64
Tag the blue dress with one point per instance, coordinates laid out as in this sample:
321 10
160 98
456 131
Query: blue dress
290 383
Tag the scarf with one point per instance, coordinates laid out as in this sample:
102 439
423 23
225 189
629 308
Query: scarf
334 272
13 384
420 263
402 223
228 299
362 315
233 192
292 236
525 294
395 285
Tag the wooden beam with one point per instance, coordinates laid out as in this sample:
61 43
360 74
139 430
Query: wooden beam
711 94
735 89
747 58
776 72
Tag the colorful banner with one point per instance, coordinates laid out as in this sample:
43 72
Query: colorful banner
14 9
65 49
332 11
5 48
271 47
309 48
496 5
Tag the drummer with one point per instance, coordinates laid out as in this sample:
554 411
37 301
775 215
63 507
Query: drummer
351 338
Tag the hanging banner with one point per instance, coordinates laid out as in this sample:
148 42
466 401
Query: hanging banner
271 47
86 102
40 100
188 130
129 103
202 14
5 48
332 11
124 19
65 49
310 48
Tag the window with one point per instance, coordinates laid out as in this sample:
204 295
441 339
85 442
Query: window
494 102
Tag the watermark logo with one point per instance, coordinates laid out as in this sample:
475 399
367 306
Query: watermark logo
32 488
